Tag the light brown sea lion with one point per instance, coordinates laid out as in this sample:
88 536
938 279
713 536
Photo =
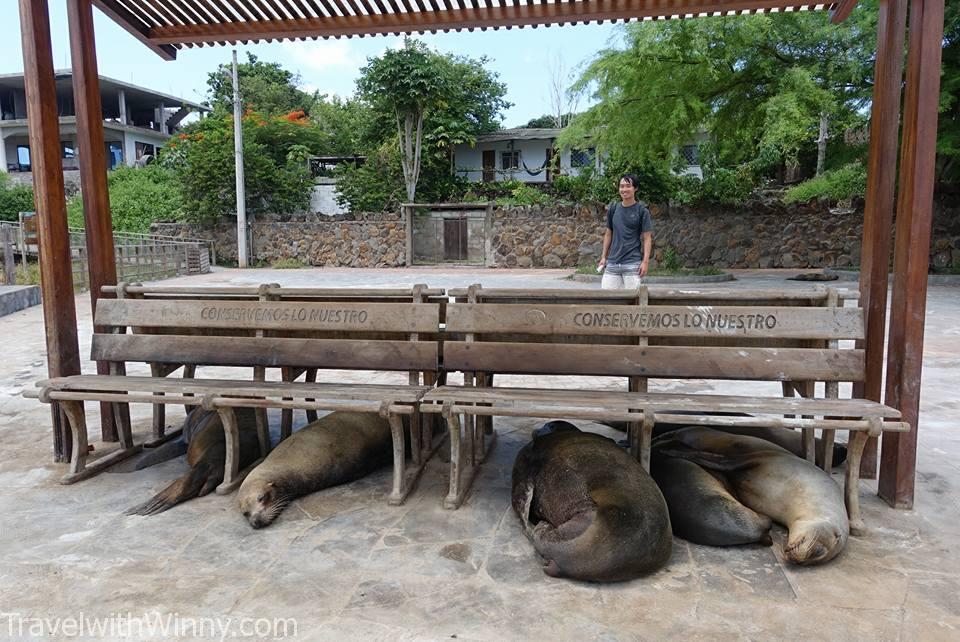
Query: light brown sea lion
773 482
791 440
206 455
592 512
335 449
702 508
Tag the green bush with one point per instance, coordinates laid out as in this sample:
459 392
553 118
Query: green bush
375 186
523 194
847 182
138 197
14 199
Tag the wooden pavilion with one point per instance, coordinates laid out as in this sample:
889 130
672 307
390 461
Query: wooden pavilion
167 26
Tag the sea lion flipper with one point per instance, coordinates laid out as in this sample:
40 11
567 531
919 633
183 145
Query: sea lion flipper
527 508
184 488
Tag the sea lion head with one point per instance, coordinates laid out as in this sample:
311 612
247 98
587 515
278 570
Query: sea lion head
261 503
554 426
814 542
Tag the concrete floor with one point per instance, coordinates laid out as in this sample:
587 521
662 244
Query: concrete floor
344 565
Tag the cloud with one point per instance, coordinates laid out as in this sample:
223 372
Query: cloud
323 55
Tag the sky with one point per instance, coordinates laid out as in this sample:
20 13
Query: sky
521 57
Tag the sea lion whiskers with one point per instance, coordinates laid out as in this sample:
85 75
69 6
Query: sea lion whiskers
817 543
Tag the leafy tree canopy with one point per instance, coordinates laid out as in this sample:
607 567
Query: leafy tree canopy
428 101
265 87
759 83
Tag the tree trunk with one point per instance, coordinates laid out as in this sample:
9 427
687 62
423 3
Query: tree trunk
822 142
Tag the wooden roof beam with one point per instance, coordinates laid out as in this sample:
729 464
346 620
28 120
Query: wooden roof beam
134 27
481 17
841 10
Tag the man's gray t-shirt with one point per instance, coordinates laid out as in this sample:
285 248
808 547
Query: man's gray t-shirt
628 225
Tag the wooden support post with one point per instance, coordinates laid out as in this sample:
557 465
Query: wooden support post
898 457
9 267
56 279
101 262
879 205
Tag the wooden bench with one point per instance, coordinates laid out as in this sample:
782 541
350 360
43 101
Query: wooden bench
660 339
265 292
397 337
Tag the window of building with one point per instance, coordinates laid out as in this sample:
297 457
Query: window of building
68 150
144 149
23 158
691 154
510 160
583 157
114 154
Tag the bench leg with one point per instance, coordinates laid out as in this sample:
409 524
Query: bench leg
400 488
455 496
311 377
286 415
78 428
646 438
826 450
189 372
263 431
231 434
851 490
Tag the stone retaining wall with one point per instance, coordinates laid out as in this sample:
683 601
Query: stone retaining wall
765 234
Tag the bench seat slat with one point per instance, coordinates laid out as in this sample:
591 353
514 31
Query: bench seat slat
230 387
617 401
769 364
271 315
266 351
658 321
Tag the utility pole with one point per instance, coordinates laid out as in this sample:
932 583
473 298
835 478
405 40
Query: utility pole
238 153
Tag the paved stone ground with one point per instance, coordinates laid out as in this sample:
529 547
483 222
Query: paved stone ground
348 567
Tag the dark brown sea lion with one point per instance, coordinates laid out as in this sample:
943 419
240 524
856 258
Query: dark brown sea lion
702 508
335 449
592 512
773 482
206 455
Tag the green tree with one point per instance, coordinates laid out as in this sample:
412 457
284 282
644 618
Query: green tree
758 83
431 101
276 172
948 138
14 199
265 87
547 121
138 197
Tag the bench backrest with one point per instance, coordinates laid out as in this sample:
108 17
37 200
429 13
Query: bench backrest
655 340
308 334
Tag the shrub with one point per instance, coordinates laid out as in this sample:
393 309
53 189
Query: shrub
138 197
843 183
523 194
288 264
14 199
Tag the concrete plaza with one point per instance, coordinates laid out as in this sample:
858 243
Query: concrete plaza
345 566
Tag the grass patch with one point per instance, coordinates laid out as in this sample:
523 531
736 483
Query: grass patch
29 274
288 264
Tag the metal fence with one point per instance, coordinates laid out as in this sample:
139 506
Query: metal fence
139 257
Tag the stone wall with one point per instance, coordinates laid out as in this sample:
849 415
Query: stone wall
349 240
547 236
762 234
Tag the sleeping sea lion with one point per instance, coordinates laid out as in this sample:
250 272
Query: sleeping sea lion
791 440
206 455
592 512
773 482
702 509
335 449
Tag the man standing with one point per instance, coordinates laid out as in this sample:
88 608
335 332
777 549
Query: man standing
624 261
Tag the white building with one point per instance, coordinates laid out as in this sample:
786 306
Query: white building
136 121
524 154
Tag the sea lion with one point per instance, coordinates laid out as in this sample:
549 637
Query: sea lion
774 482
702 509
791 440
336 449
206 455
592 512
